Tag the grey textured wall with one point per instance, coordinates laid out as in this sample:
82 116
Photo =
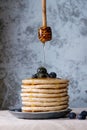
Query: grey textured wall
21 53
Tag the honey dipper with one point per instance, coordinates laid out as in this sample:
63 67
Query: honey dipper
44 32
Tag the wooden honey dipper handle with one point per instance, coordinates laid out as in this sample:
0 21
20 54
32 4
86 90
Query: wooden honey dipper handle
44 32
44 17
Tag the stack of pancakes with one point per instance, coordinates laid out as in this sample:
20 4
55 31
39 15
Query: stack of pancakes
45 94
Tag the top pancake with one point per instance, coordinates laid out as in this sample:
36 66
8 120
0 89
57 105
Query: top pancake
45 81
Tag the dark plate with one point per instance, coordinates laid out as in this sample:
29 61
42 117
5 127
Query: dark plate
40 115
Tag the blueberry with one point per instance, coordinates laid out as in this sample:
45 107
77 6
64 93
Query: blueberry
18 110
72 115
81 117
34 76
52 75
42 75
84 113
41 70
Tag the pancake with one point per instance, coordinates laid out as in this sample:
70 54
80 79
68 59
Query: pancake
44 81
31 95
28 99
42 104
45 86
44 109
33 90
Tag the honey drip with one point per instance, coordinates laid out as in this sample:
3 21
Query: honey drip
31 96
44 58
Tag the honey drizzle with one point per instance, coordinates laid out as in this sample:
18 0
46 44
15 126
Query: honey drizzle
32 105
44 59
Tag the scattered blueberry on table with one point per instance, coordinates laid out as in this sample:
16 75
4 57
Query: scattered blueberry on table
81 116
72 115
84 113
16 110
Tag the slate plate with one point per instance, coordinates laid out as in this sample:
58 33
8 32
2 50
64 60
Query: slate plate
40 115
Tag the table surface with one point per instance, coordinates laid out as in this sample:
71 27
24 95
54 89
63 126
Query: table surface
10 122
